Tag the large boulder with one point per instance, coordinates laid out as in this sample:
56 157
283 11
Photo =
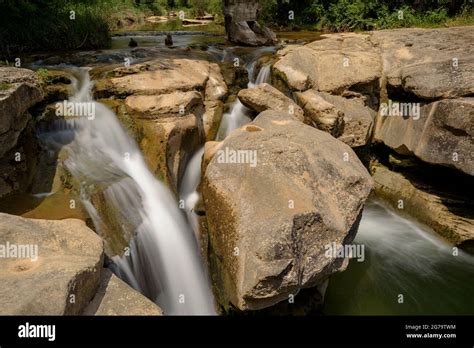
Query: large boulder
58 271
334 64
428 63
442 133
271 218
265 97
19 90
171 107
425 63
242 26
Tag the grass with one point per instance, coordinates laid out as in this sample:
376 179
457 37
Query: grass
4 86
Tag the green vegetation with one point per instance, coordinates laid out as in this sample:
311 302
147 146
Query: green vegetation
48 25
4 86
43 74
349 15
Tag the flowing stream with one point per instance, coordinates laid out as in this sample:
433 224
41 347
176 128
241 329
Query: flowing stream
402 258
163 261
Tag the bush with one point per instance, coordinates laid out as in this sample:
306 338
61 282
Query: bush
49 25
344 15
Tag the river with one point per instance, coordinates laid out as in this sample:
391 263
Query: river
402 258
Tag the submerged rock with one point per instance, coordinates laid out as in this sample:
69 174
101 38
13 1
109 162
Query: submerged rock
270 220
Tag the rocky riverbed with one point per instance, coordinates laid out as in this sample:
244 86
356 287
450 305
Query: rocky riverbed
321 126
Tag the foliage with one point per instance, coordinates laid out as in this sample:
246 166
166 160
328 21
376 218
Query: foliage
344 15
43 74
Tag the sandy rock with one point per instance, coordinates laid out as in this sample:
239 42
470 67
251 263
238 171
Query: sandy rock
265 97
320 113
68 266
443 134
330 65
269 223
115 297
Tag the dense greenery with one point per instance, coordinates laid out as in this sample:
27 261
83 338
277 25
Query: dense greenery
343 15
44 25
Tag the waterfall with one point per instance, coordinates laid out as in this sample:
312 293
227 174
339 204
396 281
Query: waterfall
238 114
189 185
164 261
264 76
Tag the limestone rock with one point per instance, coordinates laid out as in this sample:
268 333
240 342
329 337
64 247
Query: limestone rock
269 223
432 208
358 119
320 113
69 262
428 63
443 134
19 90
156 77
172 106
333 64
212 118
265 97
115 297
156 106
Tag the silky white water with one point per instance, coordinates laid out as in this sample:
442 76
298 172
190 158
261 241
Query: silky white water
402 258
163 261
239 115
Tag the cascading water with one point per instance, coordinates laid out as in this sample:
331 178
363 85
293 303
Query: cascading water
164 260
238 114
190 183
235 118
